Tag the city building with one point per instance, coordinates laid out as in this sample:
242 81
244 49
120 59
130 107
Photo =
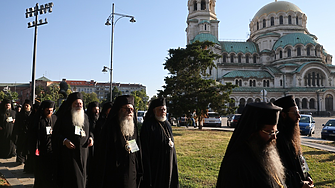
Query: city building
280 57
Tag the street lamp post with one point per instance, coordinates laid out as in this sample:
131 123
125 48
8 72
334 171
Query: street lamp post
30 12
108 22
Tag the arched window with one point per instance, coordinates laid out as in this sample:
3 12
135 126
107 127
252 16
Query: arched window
297 20
267 83
272 21
257 100
236 82
257 26
289 52
203 5
254 58
205 27
289 19
308 51
316 52
254 83
304 103
311 104
224 58
280 54
297 101
250 83
195 5
240 83
298 51
232 58
264 23
247 58
239 58
281 82
250 101
329 102
281 20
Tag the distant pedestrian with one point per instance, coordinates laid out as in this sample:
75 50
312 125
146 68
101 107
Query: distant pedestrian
71 138
7 120
159 153
193 116
251 158
40 135
20 131
288 144
118 154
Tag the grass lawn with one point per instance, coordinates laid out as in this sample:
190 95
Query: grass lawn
199 155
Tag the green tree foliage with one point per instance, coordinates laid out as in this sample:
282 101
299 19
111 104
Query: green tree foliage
188 88
89 97
13 96
140 100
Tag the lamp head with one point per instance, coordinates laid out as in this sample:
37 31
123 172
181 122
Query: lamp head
132 20
105 69
107 22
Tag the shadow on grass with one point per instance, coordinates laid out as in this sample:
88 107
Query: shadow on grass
324 183
316 152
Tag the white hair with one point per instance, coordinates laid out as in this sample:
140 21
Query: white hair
126 124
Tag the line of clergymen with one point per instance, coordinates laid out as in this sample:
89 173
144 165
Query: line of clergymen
73 149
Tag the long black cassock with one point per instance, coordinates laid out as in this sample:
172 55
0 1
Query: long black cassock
159 159
114 166
72 163
40 134
6 144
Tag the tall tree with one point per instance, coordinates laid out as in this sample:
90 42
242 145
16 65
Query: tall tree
140 99
188 88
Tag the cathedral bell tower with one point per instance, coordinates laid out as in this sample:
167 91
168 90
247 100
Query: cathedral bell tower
201 19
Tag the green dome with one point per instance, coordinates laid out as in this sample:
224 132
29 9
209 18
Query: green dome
293 39
205 37
275 7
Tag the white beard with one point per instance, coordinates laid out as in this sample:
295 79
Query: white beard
127 125
273 161
78 117
160 118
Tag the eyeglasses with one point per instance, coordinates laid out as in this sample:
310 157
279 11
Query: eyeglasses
271 133
128 109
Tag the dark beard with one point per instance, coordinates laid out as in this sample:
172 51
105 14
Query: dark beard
267 156
291 131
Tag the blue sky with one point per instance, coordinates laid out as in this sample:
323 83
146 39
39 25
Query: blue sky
75 44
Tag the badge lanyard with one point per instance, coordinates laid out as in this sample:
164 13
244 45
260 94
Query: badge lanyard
167 134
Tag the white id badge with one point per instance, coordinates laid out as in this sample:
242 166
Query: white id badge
49 130
9 119
77 130
133 146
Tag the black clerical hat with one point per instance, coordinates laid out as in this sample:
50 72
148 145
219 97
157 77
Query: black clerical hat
268 113
285 102
157 102
47 104
6 101
27 101
123 100
74 96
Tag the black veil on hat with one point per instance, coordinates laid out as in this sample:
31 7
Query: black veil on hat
27 101
154 103
285 102
90 106
253 118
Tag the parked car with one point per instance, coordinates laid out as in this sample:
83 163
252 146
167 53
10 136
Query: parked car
213 119
328 130
232 120
140 116
307 125
182 121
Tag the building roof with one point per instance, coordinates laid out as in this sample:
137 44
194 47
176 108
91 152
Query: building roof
248 74
43 78
238 47
293 39
203 21
278 6
202 37
274 70
286 90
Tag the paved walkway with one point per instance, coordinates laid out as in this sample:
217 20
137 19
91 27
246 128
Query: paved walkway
17 179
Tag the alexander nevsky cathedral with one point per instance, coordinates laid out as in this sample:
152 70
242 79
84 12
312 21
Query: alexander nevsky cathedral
280 57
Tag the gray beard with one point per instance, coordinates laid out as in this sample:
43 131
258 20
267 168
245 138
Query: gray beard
267 155
78 117
127 126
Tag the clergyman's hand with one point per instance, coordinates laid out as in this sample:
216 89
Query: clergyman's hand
69 144
90 142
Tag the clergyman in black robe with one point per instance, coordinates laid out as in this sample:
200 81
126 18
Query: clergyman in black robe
159 154
7 120
20 132
41 146
251 158
70 141
102 119
118 153
288 144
